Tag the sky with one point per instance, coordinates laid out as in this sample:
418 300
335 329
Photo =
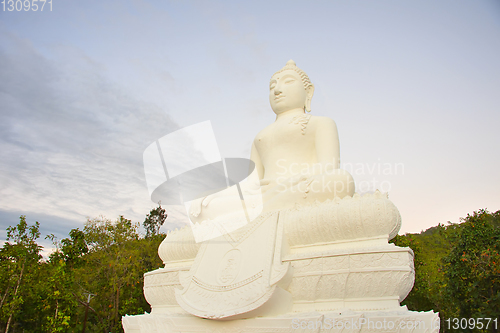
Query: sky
86 87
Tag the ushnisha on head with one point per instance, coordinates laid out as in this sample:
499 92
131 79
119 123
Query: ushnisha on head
290 88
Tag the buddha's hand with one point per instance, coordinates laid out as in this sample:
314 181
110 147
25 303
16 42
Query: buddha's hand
195 208
283 184
198 204
266 184
251 186
302 178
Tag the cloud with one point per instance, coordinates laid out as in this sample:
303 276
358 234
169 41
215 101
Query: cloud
71 141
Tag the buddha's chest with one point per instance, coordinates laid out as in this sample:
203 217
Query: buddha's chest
295 134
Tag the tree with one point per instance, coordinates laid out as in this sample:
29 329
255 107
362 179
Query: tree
19 262
107 258
154 220
55 304
109 269
419 297
74 247
472 268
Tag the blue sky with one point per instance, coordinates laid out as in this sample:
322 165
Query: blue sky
86 87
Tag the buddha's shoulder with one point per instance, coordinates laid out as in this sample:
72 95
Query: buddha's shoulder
322 122
265 132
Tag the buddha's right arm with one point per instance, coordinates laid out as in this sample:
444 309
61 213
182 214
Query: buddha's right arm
262 184
255 157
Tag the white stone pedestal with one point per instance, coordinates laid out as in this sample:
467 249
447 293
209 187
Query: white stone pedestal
398 321
337 283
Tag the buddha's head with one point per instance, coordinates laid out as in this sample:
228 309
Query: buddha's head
290 88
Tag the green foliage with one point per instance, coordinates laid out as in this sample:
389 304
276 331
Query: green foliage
419 295
472 267
457 268
24 235
19 263
111 265
457 273
57 304
107 258
154 220
74 247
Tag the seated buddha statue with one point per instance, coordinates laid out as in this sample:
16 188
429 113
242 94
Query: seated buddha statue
288 258
326 262
296 158
296 162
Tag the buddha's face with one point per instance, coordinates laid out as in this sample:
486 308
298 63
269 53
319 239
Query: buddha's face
287 92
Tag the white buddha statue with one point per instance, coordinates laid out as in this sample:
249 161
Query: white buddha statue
318 251
297 162
297 157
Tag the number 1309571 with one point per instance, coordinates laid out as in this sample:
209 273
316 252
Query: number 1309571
26 5
471 323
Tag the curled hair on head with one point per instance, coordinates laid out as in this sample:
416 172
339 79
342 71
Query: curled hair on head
291 65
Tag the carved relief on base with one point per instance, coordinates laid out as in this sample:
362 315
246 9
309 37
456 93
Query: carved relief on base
362 279
329 277
160 285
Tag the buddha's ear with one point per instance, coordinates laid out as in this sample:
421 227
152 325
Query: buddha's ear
309 96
